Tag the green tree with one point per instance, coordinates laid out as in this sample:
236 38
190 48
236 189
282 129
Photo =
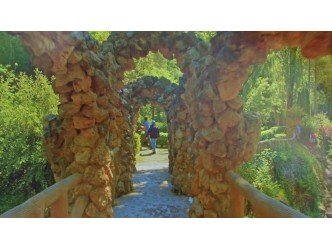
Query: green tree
265 99
12 52
24 103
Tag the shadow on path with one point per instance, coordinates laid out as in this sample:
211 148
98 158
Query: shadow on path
152 196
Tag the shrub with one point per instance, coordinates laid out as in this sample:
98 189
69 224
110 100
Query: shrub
300 175
329 153
290 174
163 139
137 140
322 126
271 133
280 135
259 173
325 136
267 134
24 102
162 127
314 123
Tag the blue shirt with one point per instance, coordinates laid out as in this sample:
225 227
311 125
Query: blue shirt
146 125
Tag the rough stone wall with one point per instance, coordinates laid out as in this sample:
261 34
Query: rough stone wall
209 132
129 45
224 136
180 149
82 137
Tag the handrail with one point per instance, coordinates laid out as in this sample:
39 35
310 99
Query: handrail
263 205
54 196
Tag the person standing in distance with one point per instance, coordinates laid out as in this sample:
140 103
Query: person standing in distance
153 132
146 129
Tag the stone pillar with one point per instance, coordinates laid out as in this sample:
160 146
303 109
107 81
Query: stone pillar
77 140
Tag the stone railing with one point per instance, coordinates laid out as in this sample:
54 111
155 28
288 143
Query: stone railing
54 197
263 206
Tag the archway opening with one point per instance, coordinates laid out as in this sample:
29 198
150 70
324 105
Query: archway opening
294 104
155 99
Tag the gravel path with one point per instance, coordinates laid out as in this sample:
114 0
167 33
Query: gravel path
152 196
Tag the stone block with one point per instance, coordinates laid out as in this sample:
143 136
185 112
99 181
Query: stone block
228 119
84 98
101 197
82 85
95 176
83 122
82 155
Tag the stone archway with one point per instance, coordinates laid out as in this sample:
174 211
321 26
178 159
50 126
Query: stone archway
149 90
92 132
157 91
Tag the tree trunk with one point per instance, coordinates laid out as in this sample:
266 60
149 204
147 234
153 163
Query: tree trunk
309 84
315 89
291 77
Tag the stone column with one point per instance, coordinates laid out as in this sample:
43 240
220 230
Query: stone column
76 141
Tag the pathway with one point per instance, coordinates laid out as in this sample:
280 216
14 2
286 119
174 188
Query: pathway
152 196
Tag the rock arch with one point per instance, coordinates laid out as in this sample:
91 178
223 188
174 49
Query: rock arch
211 133
170 97
149 90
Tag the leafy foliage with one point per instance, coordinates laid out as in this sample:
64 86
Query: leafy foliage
13 53
272 132
258 172
163 139
265 99
314 123
137 140
324 74
290 174
154 64
206 36
329 153
162 126
160 116
300 175
24 102
285 81
100 36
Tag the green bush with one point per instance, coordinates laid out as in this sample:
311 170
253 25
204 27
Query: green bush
259 173
301 176
24 102
270 133
163 140
137 140
267 134
290 174
162 127
280 135
314 123
322 126
329 153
